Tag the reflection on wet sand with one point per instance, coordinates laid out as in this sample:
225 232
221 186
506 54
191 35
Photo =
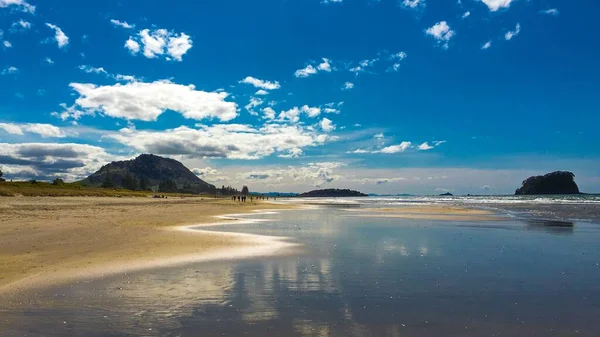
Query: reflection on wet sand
354 278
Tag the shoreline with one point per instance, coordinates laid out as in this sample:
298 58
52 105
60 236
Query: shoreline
134 247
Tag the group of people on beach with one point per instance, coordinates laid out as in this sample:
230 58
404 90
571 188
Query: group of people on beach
242 198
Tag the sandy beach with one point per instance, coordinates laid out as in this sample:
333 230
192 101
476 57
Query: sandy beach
47 240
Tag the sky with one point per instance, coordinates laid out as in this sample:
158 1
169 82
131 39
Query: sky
382 96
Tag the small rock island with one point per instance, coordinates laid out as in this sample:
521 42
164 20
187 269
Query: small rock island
559 182
332 193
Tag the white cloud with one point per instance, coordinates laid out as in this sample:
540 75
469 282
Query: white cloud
363 65
441 32
43 130
133 46
21 4
312 68
123 24
210 174
12 129
254 102
551 11
510 34
21 24
10 70
160 42
397 59
331 1
395 148
179 45
147 101
413 3
348 86
61 38
305 72
7 44
487 45
331 111
327 125
317 174
261 92
324 66
466 15
495 5
378 181
94 70
233 141
49 60
266 85
293 114
269 113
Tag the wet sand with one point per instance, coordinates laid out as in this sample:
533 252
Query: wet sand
48 240
429 212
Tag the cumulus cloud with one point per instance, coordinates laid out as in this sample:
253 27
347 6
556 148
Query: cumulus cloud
254 102
327 125
160 42
132 46
47 160
305 72
395 148
495 5
233 141
10 70
102 71
312 68
261 92
487 45
7 44
146 101
61 38
425 146
43 130
363 65
324 66
20 4
510 34
122 24
210 175
441 32
466 15
348 86
293 114
317 174
413 4
21 25
266 85
331 1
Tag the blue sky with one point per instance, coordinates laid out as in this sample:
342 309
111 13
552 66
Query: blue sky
409 96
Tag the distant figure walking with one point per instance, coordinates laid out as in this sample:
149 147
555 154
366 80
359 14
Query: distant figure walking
239 198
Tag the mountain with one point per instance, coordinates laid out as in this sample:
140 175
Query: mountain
332 193
559 182
149 172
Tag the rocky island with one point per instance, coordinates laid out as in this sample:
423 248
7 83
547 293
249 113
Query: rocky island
332 193
559 182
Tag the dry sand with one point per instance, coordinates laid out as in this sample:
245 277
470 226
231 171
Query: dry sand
47 240
429 212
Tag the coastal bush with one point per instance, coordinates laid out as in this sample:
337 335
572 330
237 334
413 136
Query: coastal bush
58 182
1 179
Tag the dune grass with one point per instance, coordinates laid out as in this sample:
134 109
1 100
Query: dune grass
43 189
